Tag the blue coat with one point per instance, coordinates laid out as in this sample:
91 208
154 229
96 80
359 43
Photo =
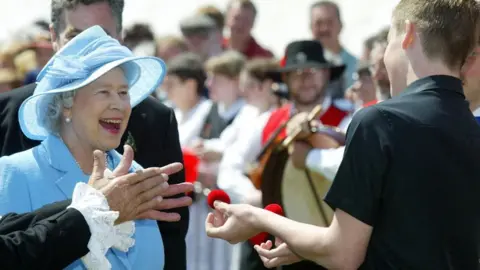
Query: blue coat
48 173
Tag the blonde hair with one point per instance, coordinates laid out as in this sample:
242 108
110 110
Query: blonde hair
229 64
449 29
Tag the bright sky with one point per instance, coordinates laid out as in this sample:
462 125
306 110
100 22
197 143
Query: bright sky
278 23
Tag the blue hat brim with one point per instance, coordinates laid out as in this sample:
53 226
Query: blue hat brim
144 75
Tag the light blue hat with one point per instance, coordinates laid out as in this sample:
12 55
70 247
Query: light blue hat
82 60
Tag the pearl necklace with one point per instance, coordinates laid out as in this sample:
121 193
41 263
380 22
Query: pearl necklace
107 156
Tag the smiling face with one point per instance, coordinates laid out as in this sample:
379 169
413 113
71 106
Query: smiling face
100 112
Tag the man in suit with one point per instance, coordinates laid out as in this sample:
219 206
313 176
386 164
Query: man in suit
152 129
43 239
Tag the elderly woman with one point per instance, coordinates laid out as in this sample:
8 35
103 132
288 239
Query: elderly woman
83 102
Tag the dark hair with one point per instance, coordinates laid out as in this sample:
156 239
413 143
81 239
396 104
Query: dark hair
137 33
59 6
326 3
188 66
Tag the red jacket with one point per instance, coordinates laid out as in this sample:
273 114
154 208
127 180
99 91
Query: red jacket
333 116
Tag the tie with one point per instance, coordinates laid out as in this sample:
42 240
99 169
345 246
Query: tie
478 119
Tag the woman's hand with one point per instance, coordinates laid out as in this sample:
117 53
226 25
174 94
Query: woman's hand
133 195
280 255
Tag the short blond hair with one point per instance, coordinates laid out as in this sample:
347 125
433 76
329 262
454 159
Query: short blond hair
449 28
213 13
172 41
229 64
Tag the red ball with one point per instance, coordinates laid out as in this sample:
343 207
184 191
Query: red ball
275 208
191 162
258 239
217 195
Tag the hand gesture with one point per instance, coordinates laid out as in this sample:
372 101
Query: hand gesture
133 195
299 124
280 255
231 222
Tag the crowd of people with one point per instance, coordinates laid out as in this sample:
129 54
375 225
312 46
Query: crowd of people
263 128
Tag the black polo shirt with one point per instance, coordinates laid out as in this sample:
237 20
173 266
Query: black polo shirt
411 170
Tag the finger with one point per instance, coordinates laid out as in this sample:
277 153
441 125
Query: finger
221 206
172 168
160 216
176 189
275 262
173 203
126 161
154 192
210 228
279 251
98 165
140 176
150 183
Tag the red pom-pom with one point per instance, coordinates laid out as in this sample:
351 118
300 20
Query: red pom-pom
275 208
217 195
283 61
190 164
258 239
263 236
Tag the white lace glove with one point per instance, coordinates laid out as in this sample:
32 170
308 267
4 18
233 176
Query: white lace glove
94 207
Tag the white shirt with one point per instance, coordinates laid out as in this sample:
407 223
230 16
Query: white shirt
237 156
190 124
476 112
245 115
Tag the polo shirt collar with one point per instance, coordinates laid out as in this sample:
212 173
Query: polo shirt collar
435 82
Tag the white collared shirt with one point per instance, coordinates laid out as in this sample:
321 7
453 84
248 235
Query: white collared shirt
190 124
476 112
246 115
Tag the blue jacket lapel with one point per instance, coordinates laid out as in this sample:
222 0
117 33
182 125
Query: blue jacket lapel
60 158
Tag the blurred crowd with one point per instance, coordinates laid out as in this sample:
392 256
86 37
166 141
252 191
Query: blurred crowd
219 81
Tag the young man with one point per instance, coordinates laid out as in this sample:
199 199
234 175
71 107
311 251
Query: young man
411 199
156 148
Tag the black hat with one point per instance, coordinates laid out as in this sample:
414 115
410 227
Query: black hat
308 54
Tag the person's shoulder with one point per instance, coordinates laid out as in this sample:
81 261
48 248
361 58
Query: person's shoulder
154 105
18 95
343 105
371 117
21 161
154 108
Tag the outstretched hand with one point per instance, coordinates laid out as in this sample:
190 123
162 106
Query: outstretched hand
280 255
231 222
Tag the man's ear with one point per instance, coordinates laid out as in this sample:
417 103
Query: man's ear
409 38
472 58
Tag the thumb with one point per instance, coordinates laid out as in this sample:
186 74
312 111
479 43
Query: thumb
126 162
221 206
98 165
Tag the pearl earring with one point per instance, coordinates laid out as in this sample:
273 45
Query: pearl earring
68 120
